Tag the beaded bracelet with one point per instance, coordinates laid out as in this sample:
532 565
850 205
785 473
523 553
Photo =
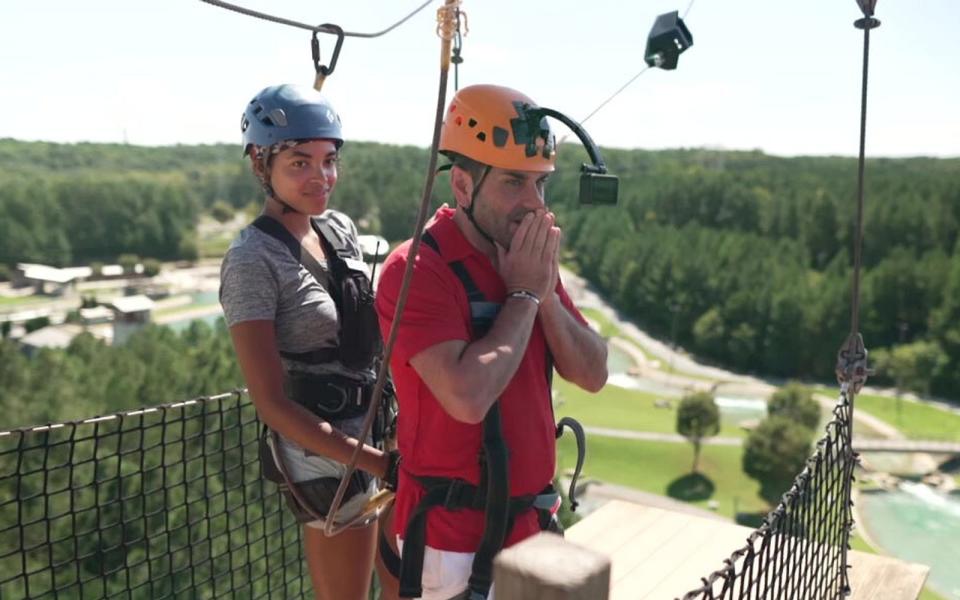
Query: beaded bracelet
525 295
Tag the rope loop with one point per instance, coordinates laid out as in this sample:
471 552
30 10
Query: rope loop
448 20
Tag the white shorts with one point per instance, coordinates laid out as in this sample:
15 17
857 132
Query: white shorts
445 573
303 465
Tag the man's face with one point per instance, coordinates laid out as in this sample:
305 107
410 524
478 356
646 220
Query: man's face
505 197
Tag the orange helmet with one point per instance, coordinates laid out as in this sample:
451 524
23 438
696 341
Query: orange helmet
495 126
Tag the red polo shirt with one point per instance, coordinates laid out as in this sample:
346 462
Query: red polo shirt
431 441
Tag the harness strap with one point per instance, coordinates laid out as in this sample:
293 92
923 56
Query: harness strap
451 494
276 230
390 559
313 357
497 517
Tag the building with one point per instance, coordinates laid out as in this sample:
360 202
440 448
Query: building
49 280
130 313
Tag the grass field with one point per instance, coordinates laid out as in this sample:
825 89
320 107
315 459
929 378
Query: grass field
619 408
664 468
916 420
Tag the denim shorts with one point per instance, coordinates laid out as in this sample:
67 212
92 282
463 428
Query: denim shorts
303 465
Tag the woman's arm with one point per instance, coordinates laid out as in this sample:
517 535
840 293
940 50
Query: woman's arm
259 358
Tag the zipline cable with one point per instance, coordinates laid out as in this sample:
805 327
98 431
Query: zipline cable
446 29
314 28
627 84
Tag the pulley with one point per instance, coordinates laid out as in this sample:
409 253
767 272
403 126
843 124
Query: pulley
668 38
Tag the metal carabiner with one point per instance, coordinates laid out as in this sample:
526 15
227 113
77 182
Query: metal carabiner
324 70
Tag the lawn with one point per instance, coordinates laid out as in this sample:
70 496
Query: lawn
22 300
619 408
607 328
664 468
916 420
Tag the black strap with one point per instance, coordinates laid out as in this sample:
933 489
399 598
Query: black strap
497 517
276 230
390 559
451 494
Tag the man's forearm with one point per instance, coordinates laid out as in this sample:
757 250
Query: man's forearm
489 363
579 354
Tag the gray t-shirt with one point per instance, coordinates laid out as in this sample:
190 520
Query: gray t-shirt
261 280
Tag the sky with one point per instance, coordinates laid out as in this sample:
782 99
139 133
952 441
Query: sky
780 77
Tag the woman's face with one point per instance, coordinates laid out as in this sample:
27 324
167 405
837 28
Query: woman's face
304 176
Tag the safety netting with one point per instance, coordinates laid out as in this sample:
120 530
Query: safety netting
168 502
165 502
800 549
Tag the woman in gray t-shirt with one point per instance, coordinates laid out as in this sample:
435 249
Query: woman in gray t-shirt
281 318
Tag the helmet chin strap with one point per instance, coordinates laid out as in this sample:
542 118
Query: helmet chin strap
265 181
473 202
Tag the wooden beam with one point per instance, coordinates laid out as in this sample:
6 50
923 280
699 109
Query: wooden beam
547 567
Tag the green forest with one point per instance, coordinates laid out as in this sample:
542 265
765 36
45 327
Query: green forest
743 259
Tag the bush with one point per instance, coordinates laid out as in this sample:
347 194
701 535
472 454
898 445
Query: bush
796 403
221 211
151 267
775 453
129 263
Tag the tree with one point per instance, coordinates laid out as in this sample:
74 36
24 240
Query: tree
774 453
151 267
129 263
912 366
698 417
796 403
221 211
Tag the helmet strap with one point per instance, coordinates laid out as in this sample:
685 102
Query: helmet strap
473 202
268 189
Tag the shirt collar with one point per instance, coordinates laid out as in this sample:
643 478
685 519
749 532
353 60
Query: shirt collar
454 245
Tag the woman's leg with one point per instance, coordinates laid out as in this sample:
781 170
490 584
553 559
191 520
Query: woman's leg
389 585
340 566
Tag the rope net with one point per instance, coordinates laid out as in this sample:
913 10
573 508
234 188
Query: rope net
800 549
166 502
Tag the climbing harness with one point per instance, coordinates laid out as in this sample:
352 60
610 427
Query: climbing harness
492 495
330 397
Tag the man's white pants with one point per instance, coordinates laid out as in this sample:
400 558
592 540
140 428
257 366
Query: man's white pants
445 573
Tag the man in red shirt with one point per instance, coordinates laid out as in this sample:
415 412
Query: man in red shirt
486 321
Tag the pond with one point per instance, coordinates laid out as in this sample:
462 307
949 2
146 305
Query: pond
918 524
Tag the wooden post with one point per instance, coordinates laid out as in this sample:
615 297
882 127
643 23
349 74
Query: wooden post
547 567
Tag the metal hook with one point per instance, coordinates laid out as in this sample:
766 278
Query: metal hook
324 70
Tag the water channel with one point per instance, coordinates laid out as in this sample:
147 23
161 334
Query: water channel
918 524
914 522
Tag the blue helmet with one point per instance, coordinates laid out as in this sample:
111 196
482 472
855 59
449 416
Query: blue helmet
286 112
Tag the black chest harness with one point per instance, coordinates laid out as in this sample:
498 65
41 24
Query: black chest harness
492 495
329 396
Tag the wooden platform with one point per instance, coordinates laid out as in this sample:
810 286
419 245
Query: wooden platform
661 554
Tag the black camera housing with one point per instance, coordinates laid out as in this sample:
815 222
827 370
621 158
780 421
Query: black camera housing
599 188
